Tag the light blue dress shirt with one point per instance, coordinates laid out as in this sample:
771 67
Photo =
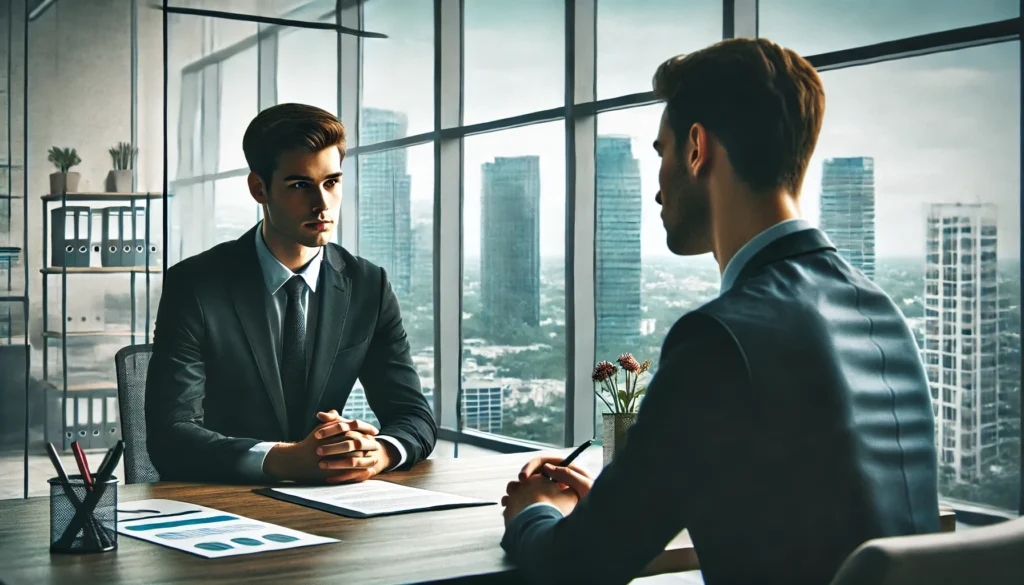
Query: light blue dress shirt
536 512
755 245
275 275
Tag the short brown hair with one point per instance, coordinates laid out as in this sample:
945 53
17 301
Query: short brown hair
764 103
286 127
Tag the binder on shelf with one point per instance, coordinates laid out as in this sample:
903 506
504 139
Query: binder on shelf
90 417
71 236
127 237
111 242
139 231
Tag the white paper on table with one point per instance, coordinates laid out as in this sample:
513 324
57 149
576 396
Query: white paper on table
371 498
205 531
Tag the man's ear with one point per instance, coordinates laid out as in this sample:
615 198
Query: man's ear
257 188
698 150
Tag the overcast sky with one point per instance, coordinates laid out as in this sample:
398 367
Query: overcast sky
942 128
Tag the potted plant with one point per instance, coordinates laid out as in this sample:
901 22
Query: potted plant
119 180
64 181
622 402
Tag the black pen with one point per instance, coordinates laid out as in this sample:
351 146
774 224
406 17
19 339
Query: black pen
572 456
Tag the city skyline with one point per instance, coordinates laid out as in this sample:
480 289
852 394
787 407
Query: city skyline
973 155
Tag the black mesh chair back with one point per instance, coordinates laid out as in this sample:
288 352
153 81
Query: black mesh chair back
132 364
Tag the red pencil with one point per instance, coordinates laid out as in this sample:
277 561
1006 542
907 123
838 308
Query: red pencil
83 464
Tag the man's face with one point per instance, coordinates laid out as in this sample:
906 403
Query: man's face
683 195
303 200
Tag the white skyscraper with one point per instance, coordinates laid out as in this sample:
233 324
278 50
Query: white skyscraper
848 209
961 342
481 405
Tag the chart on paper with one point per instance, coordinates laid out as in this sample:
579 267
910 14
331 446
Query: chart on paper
205 531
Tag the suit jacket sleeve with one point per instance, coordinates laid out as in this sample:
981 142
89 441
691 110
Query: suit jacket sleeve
179 446
392 385
642 500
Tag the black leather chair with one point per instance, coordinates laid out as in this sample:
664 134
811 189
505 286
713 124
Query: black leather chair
132 364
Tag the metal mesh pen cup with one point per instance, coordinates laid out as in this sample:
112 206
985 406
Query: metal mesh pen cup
83 521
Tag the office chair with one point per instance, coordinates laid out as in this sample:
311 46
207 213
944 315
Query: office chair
993 555
132 363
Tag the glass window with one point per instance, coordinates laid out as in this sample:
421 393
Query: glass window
810 27
513 322
234 209
514 58
641 288
301 79
398 72
903 183
396 232
635 36
237 102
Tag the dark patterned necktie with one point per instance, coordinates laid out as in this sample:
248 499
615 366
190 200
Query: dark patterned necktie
293 359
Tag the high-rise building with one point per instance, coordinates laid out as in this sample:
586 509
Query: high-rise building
848 209
961 340
481 405
423 253
510 242
619 201
385 225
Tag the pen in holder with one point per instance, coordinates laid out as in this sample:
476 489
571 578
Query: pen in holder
83 520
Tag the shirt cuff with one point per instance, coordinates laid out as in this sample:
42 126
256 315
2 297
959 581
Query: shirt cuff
397 445
251 465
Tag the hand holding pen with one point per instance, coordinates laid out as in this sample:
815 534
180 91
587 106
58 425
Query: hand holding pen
562 470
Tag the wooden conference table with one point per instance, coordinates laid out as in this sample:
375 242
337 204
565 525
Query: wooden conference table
451 545
460 545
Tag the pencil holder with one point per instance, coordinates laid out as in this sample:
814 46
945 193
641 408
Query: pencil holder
83 520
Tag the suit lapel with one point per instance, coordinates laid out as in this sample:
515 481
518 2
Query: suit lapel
252 304
330 327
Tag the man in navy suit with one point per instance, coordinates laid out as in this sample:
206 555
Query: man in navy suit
790 419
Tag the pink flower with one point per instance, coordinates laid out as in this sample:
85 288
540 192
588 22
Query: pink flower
603 371
629 363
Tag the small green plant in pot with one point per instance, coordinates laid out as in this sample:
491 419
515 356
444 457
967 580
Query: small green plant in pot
64 180
119 180
622 400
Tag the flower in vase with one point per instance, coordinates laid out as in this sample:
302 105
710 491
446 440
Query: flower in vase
604 370
629 363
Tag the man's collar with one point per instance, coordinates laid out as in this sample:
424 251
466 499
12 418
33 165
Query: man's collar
275 274
755 245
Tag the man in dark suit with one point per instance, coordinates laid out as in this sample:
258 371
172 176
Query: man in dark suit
259 341
790 419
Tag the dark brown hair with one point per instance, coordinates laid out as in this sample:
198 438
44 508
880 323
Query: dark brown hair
764 104
286 127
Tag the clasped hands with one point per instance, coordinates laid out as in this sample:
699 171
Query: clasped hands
566 486
339 450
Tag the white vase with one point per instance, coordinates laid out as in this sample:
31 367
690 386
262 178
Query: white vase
61 183
119 181
613 433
